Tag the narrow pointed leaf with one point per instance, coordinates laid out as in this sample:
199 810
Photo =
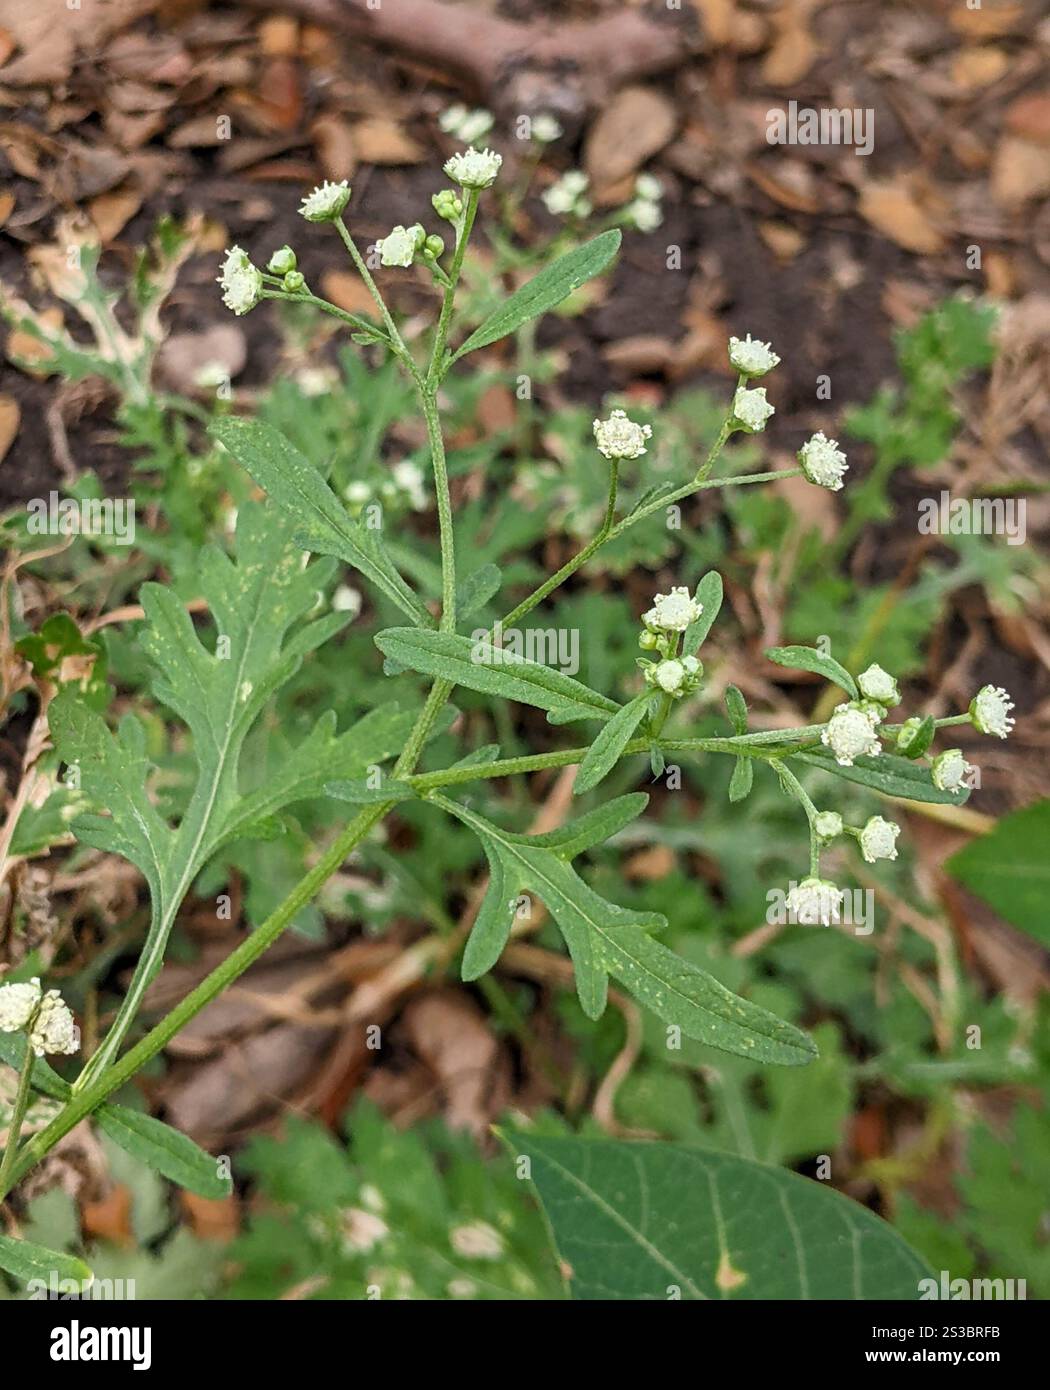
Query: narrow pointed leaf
604 753
173 1154
741 781
25 1261
709 592
886 773
544 291
494 671
809 659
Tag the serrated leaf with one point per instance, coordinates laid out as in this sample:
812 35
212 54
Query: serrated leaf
809 659
604 753
1010 870
742 779
545 290
605 939
172 1154
709 592
26 1262
886 773
494 671
323 525
258 600
660 1221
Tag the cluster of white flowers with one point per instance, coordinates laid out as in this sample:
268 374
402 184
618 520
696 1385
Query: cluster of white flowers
473 168
852 732
878 839
878 685
675 676
950 770
241 281
644 211
621 438
673 612
45 1017
823 462
406 481
464 124
545 128
565 197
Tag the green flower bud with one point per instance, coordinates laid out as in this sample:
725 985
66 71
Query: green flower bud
282 261
294 281
433 247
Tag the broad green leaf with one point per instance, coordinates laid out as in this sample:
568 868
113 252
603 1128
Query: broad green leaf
709 592
323 525
544 291
742 779
25 1262
495 671
886 773
604 939
1010 869
668 1221
809 659
604 753
172 1154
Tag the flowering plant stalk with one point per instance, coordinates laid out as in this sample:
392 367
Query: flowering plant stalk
261 601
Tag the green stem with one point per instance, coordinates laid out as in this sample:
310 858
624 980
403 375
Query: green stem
18 1114
791 784
373 290
438 366
444 507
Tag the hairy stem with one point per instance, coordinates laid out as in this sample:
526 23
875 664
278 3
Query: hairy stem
18 1114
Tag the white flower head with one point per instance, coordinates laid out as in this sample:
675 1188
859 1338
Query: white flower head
474 168
326 203
401 245
18 1004
823 462
751 409
566 195
815 900
877 684
751 357
827 824
990 711
53 1028
645 214
410 480
878 839
477 1241
465 125
621 438
670 676
649 187
546 128
950 770
241 281
851 732
673 612
362 1230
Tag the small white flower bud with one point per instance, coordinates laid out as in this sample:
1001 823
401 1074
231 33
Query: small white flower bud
474 168
878 839
752 357
326 203
751 409
18 1004
827 824
851 733
823 462
670 676
621 438
545 128
282 261
990 711
877 684
465 125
